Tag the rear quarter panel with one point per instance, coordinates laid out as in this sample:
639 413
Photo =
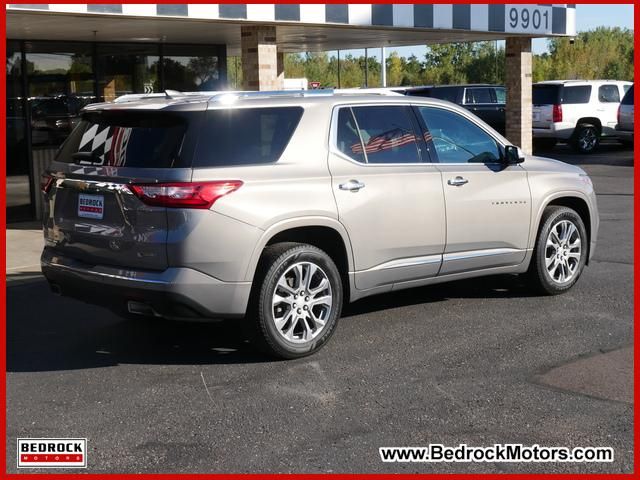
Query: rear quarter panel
297 186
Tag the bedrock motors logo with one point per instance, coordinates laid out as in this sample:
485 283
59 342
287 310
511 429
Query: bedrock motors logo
52 452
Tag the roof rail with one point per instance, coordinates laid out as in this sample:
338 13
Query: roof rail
231 96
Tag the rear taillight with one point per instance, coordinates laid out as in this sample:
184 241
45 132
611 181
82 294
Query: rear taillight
46 182
557 113
184 195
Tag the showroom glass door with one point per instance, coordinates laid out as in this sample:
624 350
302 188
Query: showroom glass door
17 168
124 69
60 82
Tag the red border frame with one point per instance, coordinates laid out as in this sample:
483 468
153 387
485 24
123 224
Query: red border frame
3 331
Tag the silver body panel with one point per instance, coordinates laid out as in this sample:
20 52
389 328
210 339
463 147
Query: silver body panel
407 226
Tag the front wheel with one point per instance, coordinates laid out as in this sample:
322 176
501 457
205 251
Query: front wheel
560 253
297 300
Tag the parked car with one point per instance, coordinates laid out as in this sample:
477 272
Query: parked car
624 128
576 111
485 101
280 207
53 118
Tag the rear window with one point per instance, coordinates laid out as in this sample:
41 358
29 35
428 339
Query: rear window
245 136
127 139
578 94
546 94
628 97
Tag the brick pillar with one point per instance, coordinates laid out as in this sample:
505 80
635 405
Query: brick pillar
259 58
518 82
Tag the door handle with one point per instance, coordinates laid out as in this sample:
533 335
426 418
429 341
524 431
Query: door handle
351 185
457 182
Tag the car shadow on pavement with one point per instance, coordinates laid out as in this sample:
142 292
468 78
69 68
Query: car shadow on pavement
499 286
46 332
609 152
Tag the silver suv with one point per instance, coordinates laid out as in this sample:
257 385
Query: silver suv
279 208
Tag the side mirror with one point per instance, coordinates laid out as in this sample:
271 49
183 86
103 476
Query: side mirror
512 155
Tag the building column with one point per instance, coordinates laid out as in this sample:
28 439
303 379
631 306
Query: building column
280 79
519 96
259 58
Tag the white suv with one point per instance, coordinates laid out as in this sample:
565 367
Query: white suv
576 111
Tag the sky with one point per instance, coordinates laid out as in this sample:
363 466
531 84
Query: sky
588 16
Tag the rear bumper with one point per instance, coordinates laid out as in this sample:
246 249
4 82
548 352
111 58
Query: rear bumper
177 293
624 134
558 130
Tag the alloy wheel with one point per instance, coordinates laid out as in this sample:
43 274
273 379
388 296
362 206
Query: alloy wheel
302 302
563 251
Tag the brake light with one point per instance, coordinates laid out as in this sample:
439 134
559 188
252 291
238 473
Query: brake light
184 194
557 113
46 182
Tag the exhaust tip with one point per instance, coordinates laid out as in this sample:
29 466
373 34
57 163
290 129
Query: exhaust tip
140 308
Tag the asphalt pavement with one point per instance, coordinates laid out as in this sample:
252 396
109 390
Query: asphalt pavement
478 362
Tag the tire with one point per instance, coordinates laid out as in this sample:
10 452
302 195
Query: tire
586 139
544 144
542 276
280 329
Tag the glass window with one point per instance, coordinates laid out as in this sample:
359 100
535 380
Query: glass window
479 95
246 136
578 94
546 94
501 95
628 97
17 166
445 93
609 94
60 83
131 139
129 68
457 139
348 138
387 134
191 68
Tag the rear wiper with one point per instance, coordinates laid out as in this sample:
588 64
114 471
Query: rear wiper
91 157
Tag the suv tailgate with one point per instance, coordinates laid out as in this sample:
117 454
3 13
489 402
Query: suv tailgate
90 212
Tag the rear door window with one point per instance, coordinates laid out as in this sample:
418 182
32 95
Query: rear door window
577 94
608 94
347 138
388 134
245 136
479 95
130 139
501 95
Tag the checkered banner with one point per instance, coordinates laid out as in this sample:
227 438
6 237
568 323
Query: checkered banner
107 145
540 18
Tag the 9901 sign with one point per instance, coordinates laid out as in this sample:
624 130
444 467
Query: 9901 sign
528 19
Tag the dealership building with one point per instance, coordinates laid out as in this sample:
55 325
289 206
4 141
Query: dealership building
61 57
